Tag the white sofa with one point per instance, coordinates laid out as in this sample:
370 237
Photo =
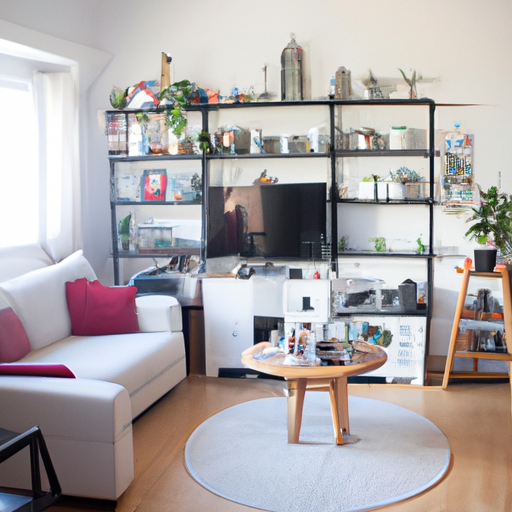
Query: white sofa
87 420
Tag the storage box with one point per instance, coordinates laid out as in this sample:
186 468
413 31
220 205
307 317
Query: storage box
464 341
272 145
417 190
385 190
233 140
155 238
407 295
407 138
416 138
298 144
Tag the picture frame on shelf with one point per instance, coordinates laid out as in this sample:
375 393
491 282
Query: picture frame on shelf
154 185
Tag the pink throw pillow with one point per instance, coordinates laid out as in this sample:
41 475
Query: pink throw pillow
37 370
14 343
95 309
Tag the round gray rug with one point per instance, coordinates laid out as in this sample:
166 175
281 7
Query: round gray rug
243 455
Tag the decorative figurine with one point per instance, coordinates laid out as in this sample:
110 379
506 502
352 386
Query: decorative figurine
165 77
421 248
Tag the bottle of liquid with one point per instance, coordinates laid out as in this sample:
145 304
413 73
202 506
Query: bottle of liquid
291 71
310 352
343 81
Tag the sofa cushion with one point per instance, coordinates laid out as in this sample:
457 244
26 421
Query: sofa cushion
39 298
95 309
132 360
36 370
14 343
159 313
18 260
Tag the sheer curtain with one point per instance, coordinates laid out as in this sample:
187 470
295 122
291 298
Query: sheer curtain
19 181
56 100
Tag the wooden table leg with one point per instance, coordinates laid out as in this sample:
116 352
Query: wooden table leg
295 403
338 395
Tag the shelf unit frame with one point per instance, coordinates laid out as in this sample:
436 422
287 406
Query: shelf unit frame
333 154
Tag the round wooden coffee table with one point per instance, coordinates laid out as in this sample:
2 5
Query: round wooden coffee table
332 378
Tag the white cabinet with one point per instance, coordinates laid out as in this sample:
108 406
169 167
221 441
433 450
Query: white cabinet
228 322
230 306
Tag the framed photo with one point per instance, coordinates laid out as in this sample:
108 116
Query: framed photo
154 185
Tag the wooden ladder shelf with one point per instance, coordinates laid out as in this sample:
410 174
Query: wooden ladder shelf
461 313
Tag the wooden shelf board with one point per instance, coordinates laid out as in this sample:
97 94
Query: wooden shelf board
479 375
485 355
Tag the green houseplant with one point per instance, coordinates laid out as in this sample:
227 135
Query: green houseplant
178 94
124 232
492 222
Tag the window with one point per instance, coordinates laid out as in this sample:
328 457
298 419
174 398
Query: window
45 208
39 169
19 176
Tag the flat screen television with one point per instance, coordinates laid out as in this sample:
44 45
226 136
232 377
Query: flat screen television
270 221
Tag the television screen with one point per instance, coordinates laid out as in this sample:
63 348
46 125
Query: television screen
271 221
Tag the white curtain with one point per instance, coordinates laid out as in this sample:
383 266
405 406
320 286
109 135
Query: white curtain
56 101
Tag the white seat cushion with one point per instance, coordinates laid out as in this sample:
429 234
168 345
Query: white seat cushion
131 360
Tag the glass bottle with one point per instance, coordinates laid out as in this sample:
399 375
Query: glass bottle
343 83
291 71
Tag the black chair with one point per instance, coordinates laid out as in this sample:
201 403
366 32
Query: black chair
20 500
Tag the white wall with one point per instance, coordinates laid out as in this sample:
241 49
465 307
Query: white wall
465 44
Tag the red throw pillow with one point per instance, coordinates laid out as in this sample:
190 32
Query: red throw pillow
14 343
96 309
37 370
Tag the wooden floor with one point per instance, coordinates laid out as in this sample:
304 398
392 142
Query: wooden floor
476 418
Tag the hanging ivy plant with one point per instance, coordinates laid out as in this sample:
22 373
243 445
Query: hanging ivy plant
178 94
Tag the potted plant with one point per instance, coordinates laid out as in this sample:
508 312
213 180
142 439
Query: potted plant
124 232
492 228
196 184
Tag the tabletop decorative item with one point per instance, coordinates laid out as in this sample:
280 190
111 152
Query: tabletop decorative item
411 82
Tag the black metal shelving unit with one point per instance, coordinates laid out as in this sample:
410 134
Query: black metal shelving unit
429 202
333 155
